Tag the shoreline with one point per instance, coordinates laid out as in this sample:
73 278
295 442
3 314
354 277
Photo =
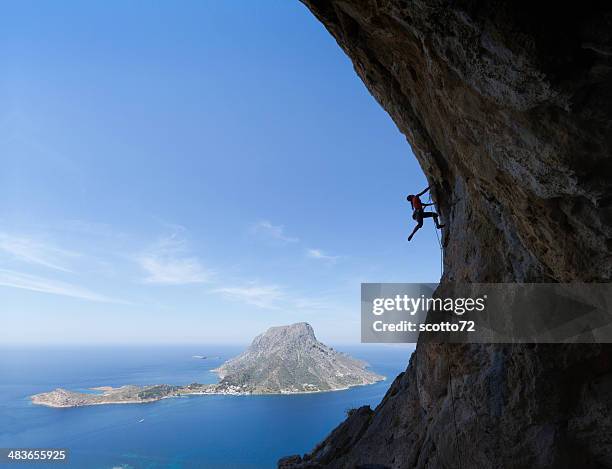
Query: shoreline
85 400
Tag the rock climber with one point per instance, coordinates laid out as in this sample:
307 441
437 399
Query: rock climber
418 213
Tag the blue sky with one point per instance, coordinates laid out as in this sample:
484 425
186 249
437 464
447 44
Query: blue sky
192 171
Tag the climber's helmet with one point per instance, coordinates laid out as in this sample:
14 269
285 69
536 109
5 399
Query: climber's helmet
410 197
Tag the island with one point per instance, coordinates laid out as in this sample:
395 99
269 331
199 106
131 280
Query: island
282 360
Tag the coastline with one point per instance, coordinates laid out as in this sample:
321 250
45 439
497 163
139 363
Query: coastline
72 399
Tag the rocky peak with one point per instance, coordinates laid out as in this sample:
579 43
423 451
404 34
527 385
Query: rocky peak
298 334
290 359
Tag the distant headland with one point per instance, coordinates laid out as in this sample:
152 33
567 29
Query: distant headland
282 360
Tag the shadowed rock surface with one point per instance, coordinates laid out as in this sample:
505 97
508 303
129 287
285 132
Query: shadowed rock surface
289 359
508 108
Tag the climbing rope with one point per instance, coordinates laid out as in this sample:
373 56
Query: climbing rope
450 378
450 385
439 243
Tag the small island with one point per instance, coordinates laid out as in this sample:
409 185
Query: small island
127 394
282 360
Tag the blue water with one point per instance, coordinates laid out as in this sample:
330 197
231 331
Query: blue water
190 432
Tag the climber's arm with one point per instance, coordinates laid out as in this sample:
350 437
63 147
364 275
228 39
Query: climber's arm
423 191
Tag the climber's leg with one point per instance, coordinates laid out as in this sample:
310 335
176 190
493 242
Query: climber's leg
416 228
433 215
418 216
437 222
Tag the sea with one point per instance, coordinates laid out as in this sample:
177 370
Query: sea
211 432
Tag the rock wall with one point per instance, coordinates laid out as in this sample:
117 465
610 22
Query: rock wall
508 108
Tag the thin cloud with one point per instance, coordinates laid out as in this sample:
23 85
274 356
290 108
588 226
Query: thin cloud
318 254
168 271
311 304
90 228
36 252
10 278
276 232
167 263
262 296
273 297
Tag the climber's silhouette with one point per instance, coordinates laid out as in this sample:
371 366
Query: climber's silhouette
418 214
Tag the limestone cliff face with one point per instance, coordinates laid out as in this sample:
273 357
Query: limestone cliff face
508 108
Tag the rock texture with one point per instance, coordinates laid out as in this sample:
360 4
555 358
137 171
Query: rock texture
289 359
508 108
